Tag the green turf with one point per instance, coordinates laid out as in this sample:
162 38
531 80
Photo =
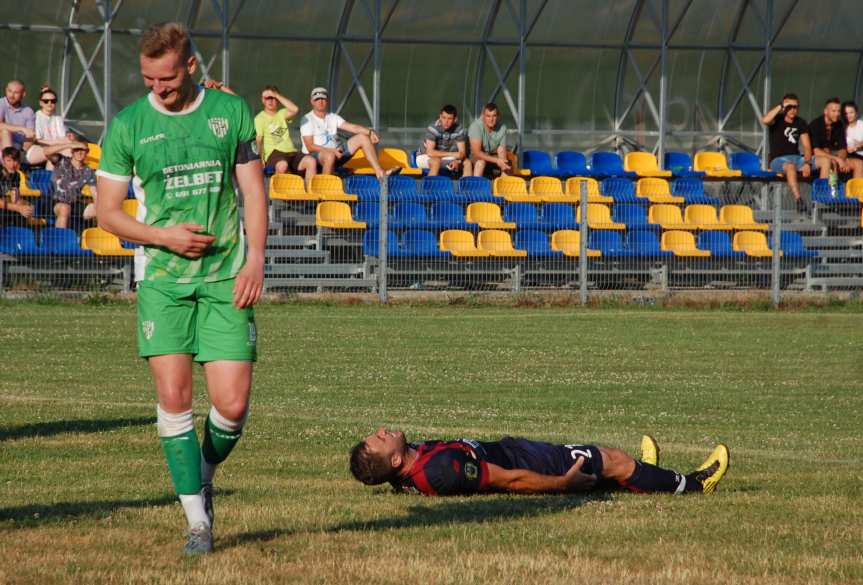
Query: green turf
85 496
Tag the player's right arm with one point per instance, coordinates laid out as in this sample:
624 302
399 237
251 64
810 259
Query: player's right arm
524 481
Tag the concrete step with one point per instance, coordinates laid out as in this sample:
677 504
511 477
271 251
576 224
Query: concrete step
321 255
837 268
291 242
361 283
833 241
834 282
841 254
312 269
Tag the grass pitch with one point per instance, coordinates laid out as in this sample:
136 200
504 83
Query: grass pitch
85 495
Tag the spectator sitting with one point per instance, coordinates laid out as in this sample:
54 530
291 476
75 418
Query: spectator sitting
13 209
445 145
853 131
788 132
70 177
319 132
488 143
17 121
274 140
828 143
50 130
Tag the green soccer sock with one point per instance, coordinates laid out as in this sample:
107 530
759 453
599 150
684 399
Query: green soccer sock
184 461
220 436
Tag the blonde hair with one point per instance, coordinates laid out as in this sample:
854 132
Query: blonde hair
166 37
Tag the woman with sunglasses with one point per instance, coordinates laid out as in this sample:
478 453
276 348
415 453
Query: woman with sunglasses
50 131
853 130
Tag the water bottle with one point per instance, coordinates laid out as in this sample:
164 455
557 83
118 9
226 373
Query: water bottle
833 182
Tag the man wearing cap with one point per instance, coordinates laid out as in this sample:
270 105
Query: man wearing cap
320 129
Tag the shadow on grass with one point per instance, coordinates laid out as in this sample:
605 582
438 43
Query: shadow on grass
49 429
37 514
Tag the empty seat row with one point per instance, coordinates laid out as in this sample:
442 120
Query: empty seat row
60 242
612 190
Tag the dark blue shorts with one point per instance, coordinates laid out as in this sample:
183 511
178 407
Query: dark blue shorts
540 457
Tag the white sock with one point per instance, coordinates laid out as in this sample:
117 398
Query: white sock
193 506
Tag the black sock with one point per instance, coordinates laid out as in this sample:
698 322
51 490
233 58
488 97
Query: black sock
650 478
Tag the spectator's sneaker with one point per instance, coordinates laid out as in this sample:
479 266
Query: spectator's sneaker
199 540
649 450
713 469
207 496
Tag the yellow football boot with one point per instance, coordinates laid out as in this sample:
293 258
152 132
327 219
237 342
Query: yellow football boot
649 450
713 469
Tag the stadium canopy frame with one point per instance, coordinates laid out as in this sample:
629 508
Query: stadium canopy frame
733 46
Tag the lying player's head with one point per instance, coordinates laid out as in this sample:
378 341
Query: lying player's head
167 62
378 458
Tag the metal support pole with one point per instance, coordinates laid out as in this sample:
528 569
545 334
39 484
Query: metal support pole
768 80
383 252
376 77
226 36
106 54
522 69
582 243
777 240
663 81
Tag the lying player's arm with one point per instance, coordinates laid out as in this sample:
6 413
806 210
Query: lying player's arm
250 280
181 239
524 481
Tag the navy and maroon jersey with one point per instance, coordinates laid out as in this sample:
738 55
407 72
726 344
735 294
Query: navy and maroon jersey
461 467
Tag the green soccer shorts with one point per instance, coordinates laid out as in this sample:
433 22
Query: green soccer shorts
199 319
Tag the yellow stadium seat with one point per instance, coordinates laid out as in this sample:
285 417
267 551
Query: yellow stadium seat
682 244
487 216
740 217
599 217
573 187
513 189
703 217
656 191
103 243
644 164
753 243
513 162
714 164
24 190
854 189
387 157
498 243
290 188
460 243
130 206
549 190
569 242
329 188
668 216
86 192
337 215
94 155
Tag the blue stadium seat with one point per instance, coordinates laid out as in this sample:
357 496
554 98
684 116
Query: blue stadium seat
41 179
476 189
558 216
718 244
440 188
420 243
371 245
369 212
536 243
402 188
821 193
539 163
606 241
357 183
572 164
692 191
523 214
449 216
62 242
644 244
634 216
622 190
269 171
680 164
749 164
368 194
18 241
608 164
792 245
408 215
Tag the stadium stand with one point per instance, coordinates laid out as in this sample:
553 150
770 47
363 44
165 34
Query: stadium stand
643 164
336 215
714 165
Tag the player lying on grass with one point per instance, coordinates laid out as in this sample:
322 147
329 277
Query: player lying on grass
521 466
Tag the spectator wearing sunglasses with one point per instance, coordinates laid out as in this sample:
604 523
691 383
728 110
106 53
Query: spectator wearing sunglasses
50 131
788 134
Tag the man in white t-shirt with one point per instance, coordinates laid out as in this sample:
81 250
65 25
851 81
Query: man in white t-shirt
50 131
319 132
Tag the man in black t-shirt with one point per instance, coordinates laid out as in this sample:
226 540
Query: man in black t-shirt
828 142
788 132
522 466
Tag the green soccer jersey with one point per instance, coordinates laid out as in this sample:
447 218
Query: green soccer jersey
181 167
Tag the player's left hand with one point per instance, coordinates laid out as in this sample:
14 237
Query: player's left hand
576 480
249 284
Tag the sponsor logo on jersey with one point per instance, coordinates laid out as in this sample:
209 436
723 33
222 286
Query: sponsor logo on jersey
153 138
219 126
148 328
470 471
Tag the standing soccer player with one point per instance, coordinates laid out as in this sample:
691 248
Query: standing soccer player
196 281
